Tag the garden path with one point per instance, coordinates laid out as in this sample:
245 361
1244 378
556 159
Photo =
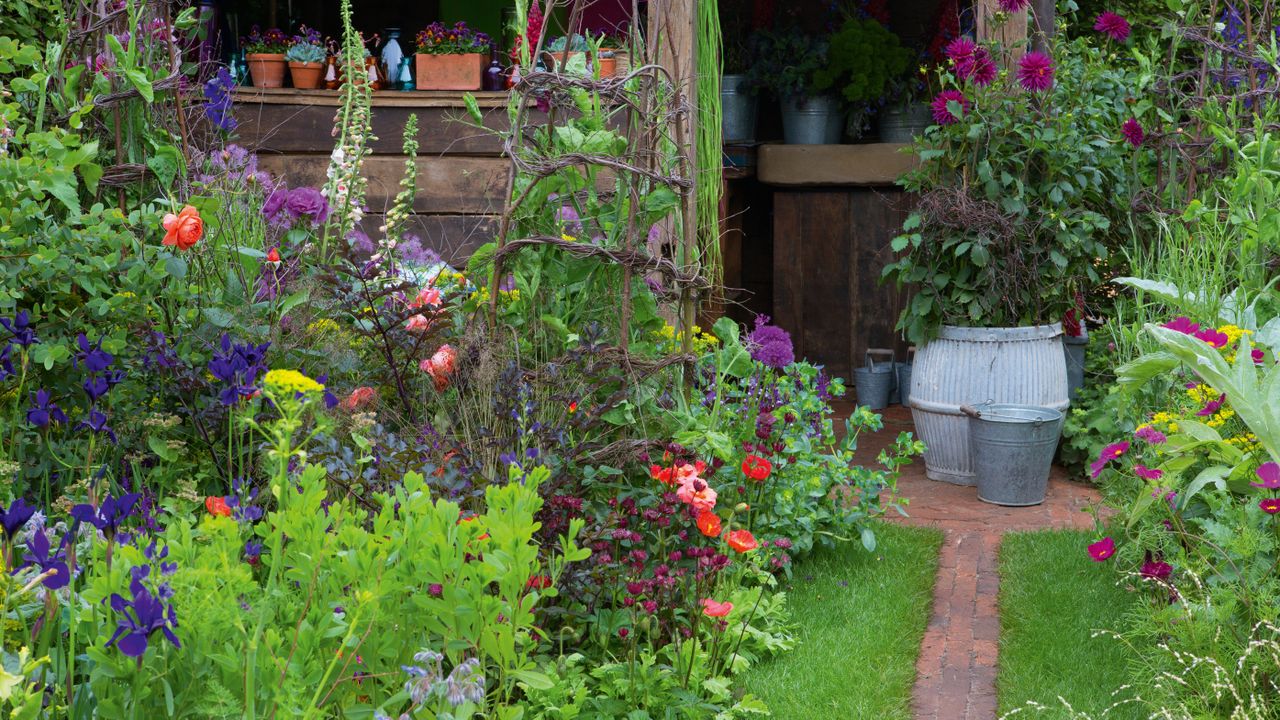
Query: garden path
956 669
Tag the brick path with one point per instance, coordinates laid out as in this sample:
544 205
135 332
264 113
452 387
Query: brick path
956 669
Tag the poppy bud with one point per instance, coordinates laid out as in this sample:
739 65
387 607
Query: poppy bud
741 507
273 256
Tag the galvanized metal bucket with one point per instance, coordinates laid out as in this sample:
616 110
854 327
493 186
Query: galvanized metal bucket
874 383
901 124
812 121
1013 448
1074 347
738 118
903 388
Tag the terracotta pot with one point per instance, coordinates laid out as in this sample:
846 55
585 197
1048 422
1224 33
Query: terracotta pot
608 66
267 69
306 76
449 72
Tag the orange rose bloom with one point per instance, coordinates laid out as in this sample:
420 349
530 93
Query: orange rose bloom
714 609
360 397
742 541
709 524
184 229
217 506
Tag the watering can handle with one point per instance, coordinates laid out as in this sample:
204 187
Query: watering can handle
879 351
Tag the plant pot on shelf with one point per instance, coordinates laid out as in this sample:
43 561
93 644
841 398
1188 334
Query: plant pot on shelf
969 366
267 69
902 124
608 66
306 75
738 118
812 121
449 72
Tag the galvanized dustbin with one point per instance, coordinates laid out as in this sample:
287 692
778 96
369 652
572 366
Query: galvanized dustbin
1012 448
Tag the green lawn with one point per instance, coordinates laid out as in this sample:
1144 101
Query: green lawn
860 617
1052 599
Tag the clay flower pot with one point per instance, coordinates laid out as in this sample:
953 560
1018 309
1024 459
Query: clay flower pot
608 66
267 69
449 72
306 76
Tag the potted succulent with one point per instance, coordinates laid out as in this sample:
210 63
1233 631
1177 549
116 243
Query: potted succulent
863 60
1017 189
265 55
306 58
786 62
450 57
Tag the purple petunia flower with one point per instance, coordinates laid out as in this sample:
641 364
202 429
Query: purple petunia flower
942 113
1035 71
1133 132
770 344
1113 25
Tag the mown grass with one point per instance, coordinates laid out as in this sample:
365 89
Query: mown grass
860 617
1053 598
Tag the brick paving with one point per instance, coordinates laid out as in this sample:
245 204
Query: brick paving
956 669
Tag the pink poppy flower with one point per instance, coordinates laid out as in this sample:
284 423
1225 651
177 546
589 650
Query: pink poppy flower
1035 71
1269 474
714 609
1270 506
1182 325
1133 132
1103 549
1113 26
1147 473
941 113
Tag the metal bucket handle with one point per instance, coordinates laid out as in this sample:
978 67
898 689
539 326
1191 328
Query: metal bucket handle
879 351
976 414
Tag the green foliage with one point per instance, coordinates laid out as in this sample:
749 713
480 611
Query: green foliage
864 58
1024 196
786 62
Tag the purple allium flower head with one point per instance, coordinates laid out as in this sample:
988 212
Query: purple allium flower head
770 344
942 114
1112 25
1035 71
1133 132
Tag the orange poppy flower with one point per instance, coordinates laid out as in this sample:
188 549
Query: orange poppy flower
756 468
184 229
217 506
714 609
709 524
664 475
742 541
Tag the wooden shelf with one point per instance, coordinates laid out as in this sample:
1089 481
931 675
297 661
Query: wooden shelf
833 165
381 98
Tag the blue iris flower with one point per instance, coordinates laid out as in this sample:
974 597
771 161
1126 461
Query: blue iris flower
38 556
13 518
110 513
20 328
43 410
139 618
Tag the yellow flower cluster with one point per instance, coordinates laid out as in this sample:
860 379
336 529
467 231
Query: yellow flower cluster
504 296
324 326
1233 333
1168 420
447 276
290 381
1202 394
703 342
1220 418
1247 442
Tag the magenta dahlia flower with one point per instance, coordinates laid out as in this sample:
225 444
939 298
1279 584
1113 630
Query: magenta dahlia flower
1113 26
941 113
961 49
1133 132
1013 5
1035 71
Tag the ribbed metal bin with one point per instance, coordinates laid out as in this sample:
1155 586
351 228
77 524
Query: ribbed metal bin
971 366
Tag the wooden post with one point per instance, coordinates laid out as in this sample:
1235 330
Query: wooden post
1009 34
1044 19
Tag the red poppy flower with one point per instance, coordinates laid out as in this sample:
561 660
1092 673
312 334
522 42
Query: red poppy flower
538 582
709 524
217 506
714 609
273 256
756 468
742 541
573 407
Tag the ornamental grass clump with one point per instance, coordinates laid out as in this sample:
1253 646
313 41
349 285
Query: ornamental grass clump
1026 184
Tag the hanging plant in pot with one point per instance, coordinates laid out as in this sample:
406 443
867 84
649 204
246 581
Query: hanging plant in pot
450 57
1020 184
306 58
265 54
